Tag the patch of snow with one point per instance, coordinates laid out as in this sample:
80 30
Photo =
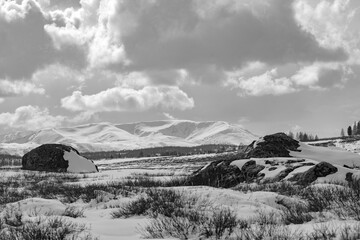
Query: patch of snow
31 206
78 164
324 154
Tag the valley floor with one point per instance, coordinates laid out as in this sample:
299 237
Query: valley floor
116 203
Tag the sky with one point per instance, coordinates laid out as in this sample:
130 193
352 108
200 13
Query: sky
274 65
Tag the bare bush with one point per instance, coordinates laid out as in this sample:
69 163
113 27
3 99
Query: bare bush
294 212
221 223
156 201
73 212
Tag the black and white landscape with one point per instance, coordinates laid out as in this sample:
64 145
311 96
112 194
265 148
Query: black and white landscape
179 119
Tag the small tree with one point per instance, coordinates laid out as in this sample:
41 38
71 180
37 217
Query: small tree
316 137
291 134
301 136
305 137
358 128
342 133
349 131
354 130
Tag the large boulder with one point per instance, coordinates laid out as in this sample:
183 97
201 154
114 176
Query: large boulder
223 174
321 169
250 170
217 174
57 158
274 145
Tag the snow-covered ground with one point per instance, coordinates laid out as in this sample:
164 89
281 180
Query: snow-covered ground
246 205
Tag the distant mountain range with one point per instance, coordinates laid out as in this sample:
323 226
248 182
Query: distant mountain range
113 137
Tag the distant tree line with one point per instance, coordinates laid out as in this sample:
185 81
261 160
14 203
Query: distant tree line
303 136
161 151
351 130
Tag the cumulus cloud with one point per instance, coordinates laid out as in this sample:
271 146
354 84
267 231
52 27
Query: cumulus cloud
224 35
18 88
91 27
317 76
34 117
333 24
127 99
197 36
265 84
30 118
25 45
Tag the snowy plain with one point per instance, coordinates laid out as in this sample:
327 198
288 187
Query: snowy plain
246 205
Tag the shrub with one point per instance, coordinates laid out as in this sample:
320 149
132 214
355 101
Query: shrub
73 212
157 201
350 233
221 223
47 229
283 188
177 227
322 232
295 212
12 217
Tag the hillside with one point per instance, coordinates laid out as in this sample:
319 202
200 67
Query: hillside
114 137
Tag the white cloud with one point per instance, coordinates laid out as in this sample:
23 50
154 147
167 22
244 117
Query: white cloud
265 84
12 11
25 45
334 24
30 118
252 80
307 76
19 88
127 99
91 26
34 118
169 116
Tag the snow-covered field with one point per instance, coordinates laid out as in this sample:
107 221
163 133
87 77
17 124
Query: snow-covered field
275 209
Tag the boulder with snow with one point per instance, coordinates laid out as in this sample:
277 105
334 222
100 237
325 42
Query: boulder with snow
218 174
321 169
57 158
274 145
250 170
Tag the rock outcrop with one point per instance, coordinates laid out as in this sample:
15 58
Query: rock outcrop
50 157
321 169
222 174
250 170
217 174
274 145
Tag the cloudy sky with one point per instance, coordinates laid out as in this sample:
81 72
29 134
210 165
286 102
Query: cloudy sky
274 65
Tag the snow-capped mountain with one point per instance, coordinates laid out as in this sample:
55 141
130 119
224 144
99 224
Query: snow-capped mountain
112 137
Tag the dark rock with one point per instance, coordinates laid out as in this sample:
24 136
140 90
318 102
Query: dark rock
283 174
349 177
308 164
250 169
291 161
275 145
47 157
272 168
321 169
346 166
217 174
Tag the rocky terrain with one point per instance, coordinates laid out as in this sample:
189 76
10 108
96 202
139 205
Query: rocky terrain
278 157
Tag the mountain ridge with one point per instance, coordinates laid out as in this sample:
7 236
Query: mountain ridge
109 137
